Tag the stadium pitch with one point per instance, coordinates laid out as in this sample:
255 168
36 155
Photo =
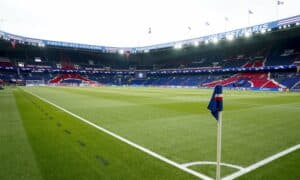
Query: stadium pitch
148 133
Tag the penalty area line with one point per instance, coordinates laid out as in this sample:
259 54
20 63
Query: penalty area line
141 148
262 162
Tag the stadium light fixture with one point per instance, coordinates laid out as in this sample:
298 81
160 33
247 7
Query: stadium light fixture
121 51
196 43
248 34
41 45
263 31
215 40
37 59
230 37
178 46
284 26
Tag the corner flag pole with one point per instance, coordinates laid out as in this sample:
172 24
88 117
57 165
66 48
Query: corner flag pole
216 107
219 146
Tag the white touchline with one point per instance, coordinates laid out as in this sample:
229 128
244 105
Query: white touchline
262 162
197 174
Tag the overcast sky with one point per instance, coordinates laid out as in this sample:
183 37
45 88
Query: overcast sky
126 22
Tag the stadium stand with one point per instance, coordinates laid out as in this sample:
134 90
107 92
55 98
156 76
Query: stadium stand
264 61
70 78
1 84
256 80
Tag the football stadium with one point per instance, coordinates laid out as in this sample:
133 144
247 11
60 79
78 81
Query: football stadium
220 105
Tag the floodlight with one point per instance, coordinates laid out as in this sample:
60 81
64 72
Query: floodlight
21 64
196 43
248 34
121 51
230 37
263 31
41 45
178 46
215 40
37 59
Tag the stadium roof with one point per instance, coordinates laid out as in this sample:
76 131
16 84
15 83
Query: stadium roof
135 23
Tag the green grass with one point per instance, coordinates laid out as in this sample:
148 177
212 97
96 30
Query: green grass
66 148
172 122
286 167
17 157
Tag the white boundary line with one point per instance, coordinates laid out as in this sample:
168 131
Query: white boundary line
212 163
261 163
197 174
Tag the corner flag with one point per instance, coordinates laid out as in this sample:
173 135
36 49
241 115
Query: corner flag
216 107
216 102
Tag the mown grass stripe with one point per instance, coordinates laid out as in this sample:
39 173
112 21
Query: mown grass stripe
197 174
177 125
18 160
59 157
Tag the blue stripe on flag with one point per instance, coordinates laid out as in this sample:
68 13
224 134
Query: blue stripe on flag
216 102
